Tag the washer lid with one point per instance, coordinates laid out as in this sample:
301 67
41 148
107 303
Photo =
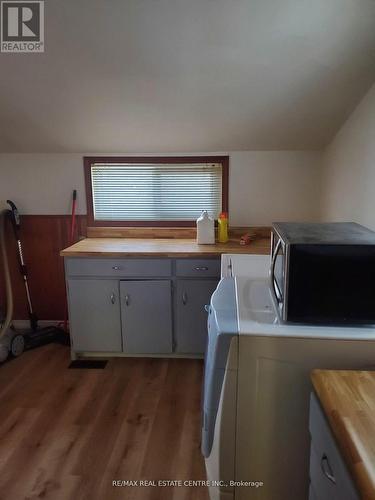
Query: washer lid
224 307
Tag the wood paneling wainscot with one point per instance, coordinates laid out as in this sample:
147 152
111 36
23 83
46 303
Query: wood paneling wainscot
43 237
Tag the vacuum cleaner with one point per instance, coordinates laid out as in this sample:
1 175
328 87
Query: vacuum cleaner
8 341
14 341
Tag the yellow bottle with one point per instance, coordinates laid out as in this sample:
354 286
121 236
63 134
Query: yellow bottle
223 227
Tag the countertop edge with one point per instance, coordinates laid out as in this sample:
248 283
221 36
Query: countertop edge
129 247
152 254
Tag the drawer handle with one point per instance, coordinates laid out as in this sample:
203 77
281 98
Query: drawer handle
201 268
113 298
184 298
327 469
127 299
117 268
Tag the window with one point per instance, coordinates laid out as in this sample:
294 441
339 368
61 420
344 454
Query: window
152 191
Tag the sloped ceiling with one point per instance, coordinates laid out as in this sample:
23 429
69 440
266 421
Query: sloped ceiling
188 75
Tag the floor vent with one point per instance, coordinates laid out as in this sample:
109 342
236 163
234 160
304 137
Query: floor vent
93 364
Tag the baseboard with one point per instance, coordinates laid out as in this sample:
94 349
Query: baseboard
24 323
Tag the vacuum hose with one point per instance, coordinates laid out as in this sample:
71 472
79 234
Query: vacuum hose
8 284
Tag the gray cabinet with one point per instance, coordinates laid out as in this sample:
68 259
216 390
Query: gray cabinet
329 477
139 305
198 268
190 316
146 316
119 268
94 314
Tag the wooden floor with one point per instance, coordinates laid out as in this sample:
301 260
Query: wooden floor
68 433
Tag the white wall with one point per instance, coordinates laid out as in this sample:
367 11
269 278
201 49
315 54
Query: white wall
348 181
43 183
263 186
268 186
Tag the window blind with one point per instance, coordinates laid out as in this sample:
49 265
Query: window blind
155 191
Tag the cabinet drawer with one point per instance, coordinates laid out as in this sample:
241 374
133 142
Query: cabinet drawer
198 267
329 475
121 268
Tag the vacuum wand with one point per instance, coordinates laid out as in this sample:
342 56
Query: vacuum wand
8 284
16 223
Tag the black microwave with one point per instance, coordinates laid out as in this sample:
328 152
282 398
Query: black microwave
323 273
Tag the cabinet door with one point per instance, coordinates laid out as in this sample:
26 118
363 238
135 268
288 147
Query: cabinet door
94 315
191 317
146 316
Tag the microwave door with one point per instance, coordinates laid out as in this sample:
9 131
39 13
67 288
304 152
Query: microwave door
272 248
275 285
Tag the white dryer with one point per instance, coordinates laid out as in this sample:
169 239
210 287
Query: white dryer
255 436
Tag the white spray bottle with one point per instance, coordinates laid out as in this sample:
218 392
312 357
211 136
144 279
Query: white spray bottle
205 229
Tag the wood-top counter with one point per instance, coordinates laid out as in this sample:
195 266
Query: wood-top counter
348 400
160 247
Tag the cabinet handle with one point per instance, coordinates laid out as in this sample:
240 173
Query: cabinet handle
117 268
184 298
113 298
127 299
201 268
327 469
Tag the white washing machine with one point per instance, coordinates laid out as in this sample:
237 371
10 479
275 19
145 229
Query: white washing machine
257 385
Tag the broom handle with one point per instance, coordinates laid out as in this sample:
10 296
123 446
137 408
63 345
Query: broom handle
71 240
73 220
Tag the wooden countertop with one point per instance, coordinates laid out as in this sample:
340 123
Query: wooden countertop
348 400
145 247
